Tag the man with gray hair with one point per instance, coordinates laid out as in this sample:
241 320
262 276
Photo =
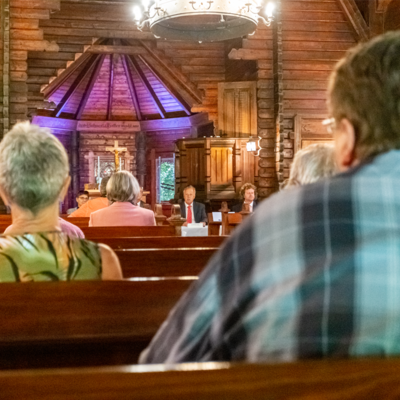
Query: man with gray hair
316 271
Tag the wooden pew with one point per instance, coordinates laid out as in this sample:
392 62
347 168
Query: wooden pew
307 380
59 324
127 231
230 221
150 242
156 262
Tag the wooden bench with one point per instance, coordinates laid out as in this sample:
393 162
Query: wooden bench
127 231
150 242
58 324
156 262
307 380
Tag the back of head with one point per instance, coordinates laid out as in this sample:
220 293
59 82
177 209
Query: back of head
123 186
365 89
33 166
315 162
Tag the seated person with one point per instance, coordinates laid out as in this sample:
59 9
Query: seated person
248 193
192 210
93 204
312 163
34 177
81 199
122 191
315 273
141 203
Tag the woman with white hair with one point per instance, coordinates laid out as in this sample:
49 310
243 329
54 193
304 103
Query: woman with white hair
34 178
312 163
123 192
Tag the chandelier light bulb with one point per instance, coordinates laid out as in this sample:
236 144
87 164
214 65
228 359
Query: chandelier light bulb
137 13
146 4
269 9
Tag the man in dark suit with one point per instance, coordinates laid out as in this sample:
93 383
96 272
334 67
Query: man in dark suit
192 210
248 193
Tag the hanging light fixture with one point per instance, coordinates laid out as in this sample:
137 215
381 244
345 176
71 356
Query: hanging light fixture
253 145
202 20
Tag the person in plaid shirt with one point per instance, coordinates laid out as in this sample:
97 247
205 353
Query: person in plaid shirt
315 272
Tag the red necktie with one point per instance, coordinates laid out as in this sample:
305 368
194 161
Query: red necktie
189 216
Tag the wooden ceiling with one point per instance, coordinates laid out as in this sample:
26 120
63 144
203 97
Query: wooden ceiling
122 85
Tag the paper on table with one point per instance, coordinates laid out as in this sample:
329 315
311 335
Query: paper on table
186 231
217 216
195 225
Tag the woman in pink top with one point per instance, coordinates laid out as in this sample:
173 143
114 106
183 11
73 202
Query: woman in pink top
122 192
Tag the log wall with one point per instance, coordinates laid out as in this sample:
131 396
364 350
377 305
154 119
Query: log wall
392 20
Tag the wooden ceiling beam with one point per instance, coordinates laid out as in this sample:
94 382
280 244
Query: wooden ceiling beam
108 49
148 86
74 86
60 80
110 88
132 89
89 87
171 91
189 87
356 19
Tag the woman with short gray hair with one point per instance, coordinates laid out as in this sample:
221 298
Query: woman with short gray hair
34 178
122 192
312 163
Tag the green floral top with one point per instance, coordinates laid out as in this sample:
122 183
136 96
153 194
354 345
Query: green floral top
49 256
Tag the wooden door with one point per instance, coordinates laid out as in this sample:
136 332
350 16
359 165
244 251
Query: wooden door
237 109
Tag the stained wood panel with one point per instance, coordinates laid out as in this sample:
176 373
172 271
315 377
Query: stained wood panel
221 168
237 107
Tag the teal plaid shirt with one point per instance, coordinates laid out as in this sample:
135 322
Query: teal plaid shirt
315 272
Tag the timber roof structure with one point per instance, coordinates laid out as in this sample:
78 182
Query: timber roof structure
116 80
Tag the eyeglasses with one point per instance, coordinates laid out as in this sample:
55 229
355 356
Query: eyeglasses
330 124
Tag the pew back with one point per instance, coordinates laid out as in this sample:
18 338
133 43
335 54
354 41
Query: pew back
308 380
150 242
55 324
128 231
172 262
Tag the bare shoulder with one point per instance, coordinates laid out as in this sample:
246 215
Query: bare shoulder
110 262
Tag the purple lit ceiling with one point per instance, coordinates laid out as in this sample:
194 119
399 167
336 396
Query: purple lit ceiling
118 87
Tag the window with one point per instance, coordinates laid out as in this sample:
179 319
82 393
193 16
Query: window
165 179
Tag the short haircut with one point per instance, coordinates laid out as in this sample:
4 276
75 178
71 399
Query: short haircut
81 192
123 186
364 88
33 166
103 186
311 164
189 187
245 187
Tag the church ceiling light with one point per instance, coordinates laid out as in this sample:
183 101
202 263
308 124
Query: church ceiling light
202 20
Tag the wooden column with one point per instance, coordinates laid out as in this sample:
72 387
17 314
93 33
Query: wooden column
278 93
271 120
141 157
75 170
5 33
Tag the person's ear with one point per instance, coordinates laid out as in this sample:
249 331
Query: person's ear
4 197
64 189
345 143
